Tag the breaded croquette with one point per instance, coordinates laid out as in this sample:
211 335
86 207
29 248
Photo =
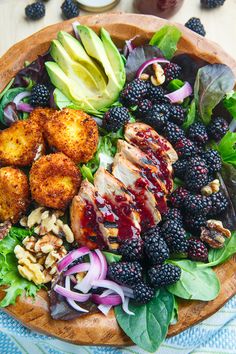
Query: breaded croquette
41 115
74 133
54 181
21 143
14 194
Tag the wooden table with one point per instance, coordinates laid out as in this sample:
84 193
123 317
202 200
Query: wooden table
220 23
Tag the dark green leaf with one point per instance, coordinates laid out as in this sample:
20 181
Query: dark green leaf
166 39
175 84
230 103
175 313
149 325
111 257
7 98
6 88
212 83
191 116
227 148
195 283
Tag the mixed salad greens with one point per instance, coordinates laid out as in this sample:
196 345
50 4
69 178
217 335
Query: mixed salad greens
213 90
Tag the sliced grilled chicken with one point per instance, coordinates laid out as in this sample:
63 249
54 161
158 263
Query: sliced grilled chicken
122 203
92 227
145 137
148 169
145 201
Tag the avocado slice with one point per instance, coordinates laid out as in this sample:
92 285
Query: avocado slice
76 51
73 69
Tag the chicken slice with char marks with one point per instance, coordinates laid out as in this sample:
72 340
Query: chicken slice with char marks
93 226
121 202
145 201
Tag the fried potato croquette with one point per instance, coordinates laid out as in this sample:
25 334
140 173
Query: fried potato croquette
21 143
14 194
74 133
54 181
41 115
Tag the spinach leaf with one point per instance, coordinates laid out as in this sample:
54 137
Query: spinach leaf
221 255
212 83
175 84
149 325
6 88
227 148
191 115
7 98
166 39
111 257
175 313
230 103
195 283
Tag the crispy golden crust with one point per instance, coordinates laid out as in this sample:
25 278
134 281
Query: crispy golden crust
74 133
54 181
21 143
14 194
41 115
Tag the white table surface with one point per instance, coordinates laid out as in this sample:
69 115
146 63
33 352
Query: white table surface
220 23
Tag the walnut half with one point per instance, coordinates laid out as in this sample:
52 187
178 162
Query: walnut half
214 233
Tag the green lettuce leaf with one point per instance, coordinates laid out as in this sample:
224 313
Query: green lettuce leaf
191 116
9 275
230 103
8 97
166 39
227 148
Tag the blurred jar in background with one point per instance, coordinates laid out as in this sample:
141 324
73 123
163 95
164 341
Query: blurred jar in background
161 8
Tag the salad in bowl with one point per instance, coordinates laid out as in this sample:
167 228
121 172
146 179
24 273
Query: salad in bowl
117 179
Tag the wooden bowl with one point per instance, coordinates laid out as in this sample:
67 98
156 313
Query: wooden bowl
96 329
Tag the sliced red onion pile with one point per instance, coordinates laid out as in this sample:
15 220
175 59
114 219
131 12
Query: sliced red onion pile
77 292
20 105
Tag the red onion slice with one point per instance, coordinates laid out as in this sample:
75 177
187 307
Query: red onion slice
180 94
129 46
113 300
69 294
104 309
71 257
72 303
103 262
93 274
108 284
125 307
128 292
21 96
150 62
82 267
24 107
74 25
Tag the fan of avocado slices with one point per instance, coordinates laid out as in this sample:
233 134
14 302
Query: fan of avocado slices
88 75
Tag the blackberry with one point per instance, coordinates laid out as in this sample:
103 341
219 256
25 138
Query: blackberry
194 223
177 114
163 275
173 214
154 231
197 251
115 118
213 160
143 293
211 4
218 128
172 71
173 133
185 148
70 9
198 204
127 273
195 25
198 133
156 93
175 236
144 107
35 11
156 249
196 175
219 203
178 196
180 168
133 92
40 96
158 116
131 249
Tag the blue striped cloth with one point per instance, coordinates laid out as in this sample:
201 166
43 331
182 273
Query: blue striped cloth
215 335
